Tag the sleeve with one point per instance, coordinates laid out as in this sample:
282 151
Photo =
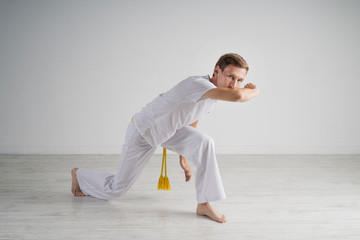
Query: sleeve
197 88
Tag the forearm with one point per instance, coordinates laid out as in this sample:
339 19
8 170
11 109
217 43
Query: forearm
233 94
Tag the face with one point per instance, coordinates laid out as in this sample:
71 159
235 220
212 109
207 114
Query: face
231 77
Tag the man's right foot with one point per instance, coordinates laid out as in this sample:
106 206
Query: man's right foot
75 188
204 209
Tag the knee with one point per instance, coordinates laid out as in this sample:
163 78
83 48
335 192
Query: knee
117 188
206 151
207 141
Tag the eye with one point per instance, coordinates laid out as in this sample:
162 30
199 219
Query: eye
231 76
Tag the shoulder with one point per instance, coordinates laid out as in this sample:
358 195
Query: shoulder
197 82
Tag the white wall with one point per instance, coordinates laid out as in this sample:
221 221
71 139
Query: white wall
72 73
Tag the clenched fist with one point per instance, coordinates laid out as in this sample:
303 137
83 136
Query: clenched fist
250 85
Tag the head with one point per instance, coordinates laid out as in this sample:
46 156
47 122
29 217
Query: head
230 71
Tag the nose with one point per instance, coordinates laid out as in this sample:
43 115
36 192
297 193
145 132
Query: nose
233 84
236 85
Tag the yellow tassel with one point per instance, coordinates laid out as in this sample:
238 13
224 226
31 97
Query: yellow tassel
164 182
161 182
167 184
166 179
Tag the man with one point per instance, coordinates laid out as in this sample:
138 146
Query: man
165 122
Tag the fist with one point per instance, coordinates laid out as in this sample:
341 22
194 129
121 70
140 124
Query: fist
250 85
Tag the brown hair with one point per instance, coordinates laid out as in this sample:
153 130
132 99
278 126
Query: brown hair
232 59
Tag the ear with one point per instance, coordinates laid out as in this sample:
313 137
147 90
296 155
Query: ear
217 69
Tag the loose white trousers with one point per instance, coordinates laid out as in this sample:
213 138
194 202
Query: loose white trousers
136 152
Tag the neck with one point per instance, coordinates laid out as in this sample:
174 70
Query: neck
213 81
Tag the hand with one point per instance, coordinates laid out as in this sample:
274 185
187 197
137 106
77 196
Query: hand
184 165
250 85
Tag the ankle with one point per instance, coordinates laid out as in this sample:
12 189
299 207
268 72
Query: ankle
204 204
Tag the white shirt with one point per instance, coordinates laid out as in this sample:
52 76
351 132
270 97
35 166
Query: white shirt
180 106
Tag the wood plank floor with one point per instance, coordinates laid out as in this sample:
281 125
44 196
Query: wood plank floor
268 197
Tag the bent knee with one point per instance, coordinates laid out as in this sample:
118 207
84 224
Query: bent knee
207 141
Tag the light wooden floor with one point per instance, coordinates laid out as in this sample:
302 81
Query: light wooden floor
268 197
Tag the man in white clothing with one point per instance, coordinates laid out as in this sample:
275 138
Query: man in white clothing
170 121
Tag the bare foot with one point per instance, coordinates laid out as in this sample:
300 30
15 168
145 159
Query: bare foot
75 188
184 165
204 209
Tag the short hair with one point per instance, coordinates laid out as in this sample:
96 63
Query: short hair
232 59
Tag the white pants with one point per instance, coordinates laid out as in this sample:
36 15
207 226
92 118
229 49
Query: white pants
136 152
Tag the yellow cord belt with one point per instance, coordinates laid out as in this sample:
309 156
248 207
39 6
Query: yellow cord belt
164 183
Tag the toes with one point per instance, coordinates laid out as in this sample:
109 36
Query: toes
221 219
79 194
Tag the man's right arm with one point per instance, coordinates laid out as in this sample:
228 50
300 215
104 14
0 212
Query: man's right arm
233 94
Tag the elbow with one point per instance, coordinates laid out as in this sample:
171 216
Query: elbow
246 96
